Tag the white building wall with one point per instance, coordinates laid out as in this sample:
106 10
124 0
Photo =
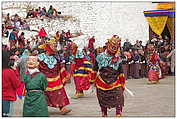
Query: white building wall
104 19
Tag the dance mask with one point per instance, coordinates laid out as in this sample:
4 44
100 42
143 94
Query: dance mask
32 62
151 48
73 48
113 45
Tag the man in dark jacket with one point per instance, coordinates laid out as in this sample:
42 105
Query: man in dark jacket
127 45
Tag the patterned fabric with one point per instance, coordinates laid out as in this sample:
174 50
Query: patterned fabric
49 60
153 75
56 77
71 59
153 62
82 74
105 60
25 54
154 68
108 80
79 54
113 45
111 98
57 98
50 73
55 92
110 85
157 24
88 57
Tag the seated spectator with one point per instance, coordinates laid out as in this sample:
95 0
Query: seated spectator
135 46
160 43
55 13
36 13
43 12
154 40
50 12
62 39
16 18
30 13
7 18
8 22
25 26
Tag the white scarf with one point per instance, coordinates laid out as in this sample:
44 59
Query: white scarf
31 71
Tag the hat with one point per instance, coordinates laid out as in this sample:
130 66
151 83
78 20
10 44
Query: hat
51 41
47 48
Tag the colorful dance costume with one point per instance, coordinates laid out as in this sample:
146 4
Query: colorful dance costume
110 80
153 60
82 74
56 76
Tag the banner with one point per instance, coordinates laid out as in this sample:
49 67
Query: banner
157 24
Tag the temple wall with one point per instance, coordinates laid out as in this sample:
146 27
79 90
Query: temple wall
102 19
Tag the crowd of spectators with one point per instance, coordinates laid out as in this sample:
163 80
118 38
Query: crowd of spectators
42 12
135 63
134 55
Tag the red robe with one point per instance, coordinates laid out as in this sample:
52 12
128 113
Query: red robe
55 92
154 72
42 32
91 43
82 74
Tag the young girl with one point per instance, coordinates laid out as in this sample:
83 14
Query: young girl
10 84
35 104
